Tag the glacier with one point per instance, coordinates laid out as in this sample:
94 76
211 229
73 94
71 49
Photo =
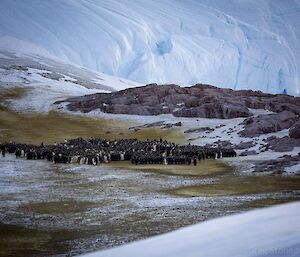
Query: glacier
239 44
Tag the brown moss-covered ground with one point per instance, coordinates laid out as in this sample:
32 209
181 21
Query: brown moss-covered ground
204 168
241 185
56 126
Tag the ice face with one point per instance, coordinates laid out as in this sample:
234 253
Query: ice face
236 44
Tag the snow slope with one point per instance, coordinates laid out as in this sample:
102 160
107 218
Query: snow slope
19 52
268 232
48 79
234 43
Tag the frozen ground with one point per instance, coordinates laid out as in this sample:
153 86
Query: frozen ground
236 44
271 232
80 208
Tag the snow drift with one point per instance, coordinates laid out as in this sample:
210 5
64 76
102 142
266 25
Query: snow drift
236 44
268 232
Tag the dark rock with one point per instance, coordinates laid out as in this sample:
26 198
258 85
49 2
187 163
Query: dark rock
171 125
178 124
160 124
268 139
244 145
154 124
149 125
246 153
214 110
286 156
267 123
197 101
224 144
18 67
53 76
202 129
276 166
295 131
284 144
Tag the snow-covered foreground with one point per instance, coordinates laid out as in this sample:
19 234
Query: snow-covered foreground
236 44
273 231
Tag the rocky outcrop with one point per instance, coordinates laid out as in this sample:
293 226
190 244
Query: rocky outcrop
247 153
197 101
277 166
217 110
284 144
295 131
197 130
159 124
245 145
268 123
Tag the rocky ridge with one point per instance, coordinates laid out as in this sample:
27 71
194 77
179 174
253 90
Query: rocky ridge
269 122
200 100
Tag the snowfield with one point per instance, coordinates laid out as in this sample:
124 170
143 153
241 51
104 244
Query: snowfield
236 44
48 79
271 232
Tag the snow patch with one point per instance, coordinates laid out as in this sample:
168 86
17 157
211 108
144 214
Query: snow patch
263 232
293 169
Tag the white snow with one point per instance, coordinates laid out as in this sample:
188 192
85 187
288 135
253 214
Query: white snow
17 52
43 92
20 47
236 44
273 231
293 169
32 72
4 56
